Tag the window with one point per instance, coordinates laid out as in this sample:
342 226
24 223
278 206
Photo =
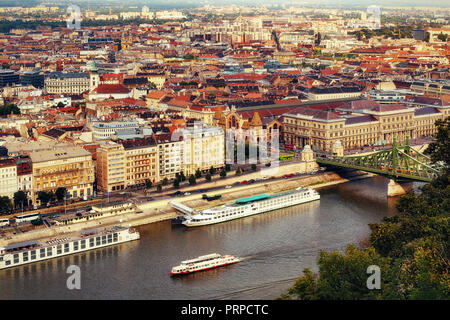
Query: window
25 256
66 247
42 253
16 258
83 244
59 249
75 246
49 251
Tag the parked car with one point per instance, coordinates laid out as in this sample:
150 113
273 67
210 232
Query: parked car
244 182
251 181
228 187
178 193
265 178
236 183
288 175
187 193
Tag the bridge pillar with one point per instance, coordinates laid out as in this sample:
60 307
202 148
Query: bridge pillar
398 188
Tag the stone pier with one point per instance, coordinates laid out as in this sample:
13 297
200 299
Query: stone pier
398 188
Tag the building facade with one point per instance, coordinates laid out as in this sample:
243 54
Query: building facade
71 168
111 167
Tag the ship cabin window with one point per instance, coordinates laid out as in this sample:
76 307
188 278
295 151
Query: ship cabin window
66 247
42 253
49 251
25 256
115 237
109 238
83 244
75 246
91 242
59 249
33 254
7 262
97 241
16 258
103 239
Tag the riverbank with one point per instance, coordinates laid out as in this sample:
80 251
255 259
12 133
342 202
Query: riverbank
155 211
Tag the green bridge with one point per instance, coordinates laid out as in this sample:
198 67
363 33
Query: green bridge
400 163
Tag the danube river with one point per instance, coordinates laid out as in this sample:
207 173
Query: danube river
276 246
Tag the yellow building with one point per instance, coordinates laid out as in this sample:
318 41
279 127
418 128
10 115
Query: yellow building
71 168
373 126
141 159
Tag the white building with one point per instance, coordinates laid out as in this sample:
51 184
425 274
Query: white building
8 177
203 148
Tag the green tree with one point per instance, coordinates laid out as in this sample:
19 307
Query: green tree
43 197
208 177
176 183
198 174
182 176
60 193
5 204
238 171
439 149
20 198
228 167
192 180
268 164
212 170
253 167
148 183
223 173
165 181
159 188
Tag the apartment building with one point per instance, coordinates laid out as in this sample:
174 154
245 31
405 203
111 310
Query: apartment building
111 167
67 83
71 167
170 154
25 175
8 177
203 148
142 162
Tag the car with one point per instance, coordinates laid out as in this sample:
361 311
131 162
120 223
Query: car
149 199
298 174
228 187
187 193
176 194
244 182
236 183
80 211
286 176
265 177
251 181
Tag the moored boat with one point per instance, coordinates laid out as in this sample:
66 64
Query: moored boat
250 206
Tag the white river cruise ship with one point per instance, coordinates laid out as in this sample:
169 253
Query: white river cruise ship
203 263
32 251
250 206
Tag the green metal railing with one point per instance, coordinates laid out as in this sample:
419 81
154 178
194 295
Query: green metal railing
399 162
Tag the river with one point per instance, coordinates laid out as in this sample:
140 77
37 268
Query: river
276 247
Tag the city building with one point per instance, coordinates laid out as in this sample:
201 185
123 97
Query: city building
67 83
111 167
8 178
8 78
71 167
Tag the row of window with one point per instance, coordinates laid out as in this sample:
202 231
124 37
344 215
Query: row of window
77 245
